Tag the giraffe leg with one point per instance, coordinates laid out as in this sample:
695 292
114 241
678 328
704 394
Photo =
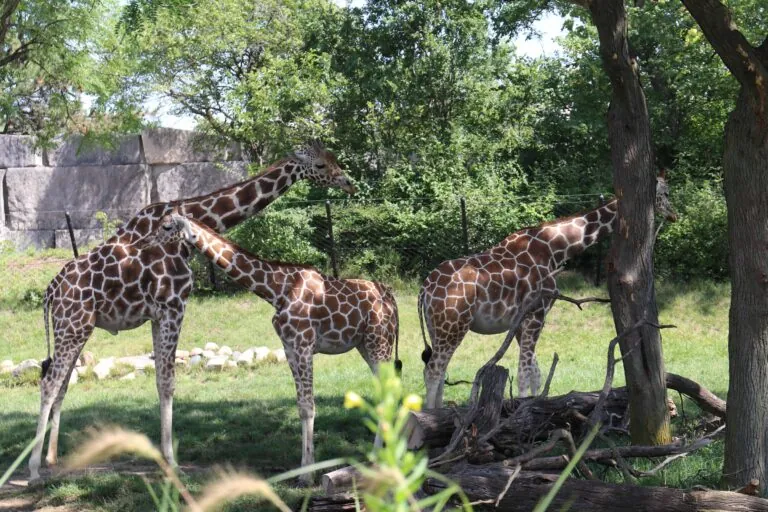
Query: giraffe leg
528 372
443 347
299 355
165 337
67 346
53 439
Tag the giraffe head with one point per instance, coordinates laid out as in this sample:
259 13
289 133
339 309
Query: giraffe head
173 228
321 167
662 205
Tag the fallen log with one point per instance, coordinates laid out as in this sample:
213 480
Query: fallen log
434 427
335 503
487 482
340 480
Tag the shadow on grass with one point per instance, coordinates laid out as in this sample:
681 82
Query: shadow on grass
263 436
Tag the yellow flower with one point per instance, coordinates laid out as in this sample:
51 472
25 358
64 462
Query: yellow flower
412 402
352 400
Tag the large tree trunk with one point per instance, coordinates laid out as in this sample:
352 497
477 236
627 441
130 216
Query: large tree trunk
746 190
630 267
745 164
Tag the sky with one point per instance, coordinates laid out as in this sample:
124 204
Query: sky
542 42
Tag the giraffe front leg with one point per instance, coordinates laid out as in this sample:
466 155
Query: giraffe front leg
165 337
299 354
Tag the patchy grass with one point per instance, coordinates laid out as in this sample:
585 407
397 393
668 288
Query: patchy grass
248 417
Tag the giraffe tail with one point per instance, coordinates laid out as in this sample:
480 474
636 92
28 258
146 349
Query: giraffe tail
46 310
427 354
398 362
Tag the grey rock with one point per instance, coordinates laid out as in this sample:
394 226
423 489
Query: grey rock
88 358
24 366
6 366
73 152
2 195
104 367
246 358
172 182
23 240
216 363
73 378
138 362
279 355
211 346
224 351
83 238
196 351
260 353
231 364
208 354
170 146
38 197
182 354
195 360
129 376
81 370
19 151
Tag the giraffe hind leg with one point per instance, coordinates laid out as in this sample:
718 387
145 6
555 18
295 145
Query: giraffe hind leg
52 390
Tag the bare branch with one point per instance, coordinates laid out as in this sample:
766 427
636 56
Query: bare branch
550 375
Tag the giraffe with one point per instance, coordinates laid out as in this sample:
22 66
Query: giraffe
483 292
314 313
125 282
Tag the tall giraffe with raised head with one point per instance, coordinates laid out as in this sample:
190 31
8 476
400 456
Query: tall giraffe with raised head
124 283
314 313
482 293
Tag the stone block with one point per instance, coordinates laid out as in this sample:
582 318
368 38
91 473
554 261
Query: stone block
19 151
170 182
83 238
171 146
38 197
23 240
3 201
73 152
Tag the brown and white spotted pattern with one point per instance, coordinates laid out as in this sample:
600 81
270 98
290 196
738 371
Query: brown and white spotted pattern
124 283
314 313
483 292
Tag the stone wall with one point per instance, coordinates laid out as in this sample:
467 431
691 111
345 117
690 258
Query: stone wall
38 186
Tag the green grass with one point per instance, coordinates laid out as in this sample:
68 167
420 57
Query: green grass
248 418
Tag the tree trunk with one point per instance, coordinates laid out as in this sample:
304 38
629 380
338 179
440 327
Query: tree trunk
746 190
630 267
487 482
745 164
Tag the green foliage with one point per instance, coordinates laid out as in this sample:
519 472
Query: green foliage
695 246
108 225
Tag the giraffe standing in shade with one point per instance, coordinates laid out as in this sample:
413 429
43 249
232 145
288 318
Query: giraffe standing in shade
483 292
125 282
314 313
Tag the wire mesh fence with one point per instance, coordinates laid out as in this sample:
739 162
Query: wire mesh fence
385 239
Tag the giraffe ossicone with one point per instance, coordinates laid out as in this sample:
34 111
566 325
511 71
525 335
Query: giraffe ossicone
125 282
482 293
314 313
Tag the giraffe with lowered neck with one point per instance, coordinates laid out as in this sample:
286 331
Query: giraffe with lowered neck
314 313
125 282
482 293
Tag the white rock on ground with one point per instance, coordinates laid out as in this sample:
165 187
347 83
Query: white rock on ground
129 376
231 364
138 362
216 363
88 358
81 370
182 354
73 378
24 366
279 355
225 351
181 362
208 354
197 351
260 353
211 346
6 366
103 367
195 360
245 358
236 354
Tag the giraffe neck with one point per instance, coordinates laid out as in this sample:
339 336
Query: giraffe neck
264 278
228 207
571 236
219 210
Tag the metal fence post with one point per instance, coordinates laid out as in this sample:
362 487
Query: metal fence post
71 233
599 261
334 263
464 230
